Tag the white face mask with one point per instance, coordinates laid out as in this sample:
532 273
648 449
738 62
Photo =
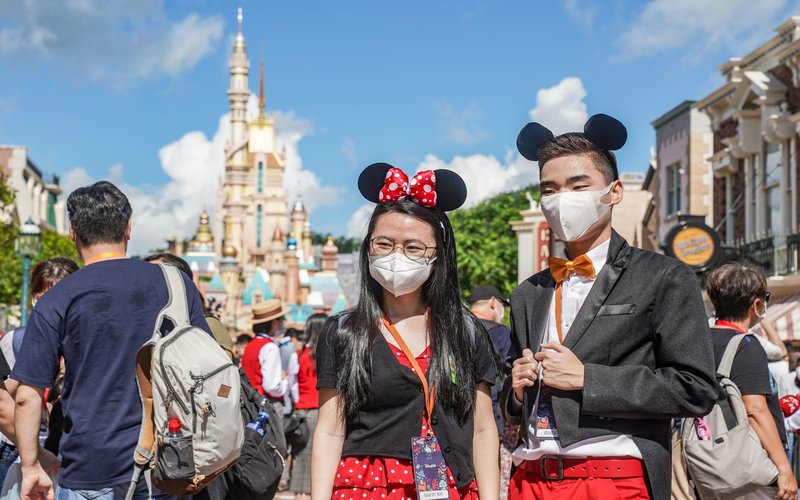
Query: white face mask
571 214
398 274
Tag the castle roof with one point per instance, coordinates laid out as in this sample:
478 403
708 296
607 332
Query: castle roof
258 283
216 284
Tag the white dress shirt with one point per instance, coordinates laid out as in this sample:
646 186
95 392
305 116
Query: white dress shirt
272 381
574 291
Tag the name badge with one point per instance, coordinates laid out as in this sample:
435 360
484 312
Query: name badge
430 470
545 421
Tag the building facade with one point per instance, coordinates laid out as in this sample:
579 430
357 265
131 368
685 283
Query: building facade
755 120
684 178
36 195
264 249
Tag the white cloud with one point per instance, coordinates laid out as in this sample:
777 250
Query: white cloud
289 130
700 26
114 43
195 164
485 175
357 225
580 12
460 126
348 151
561 107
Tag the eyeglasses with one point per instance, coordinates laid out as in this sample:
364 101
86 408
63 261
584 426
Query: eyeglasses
413 249
766 297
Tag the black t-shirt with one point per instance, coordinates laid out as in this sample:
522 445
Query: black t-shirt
392 412
97 318
5 370
750 371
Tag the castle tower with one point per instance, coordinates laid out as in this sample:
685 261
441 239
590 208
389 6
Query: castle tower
330 255
292 271
298 220
309 254
236 165
277 261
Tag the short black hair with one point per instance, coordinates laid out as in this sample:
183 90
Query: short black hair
243 339
576 144
172 260
99 213
264 328
733 287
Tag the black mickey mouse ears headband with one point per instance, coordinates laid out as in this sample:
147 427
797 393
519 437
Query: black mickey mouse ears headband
606 132
441 188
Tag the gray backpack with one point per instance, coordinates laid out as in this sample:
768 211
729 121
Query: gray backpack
186 375
723 454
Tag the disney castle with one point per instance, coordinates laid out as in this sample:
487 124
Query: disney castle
265 250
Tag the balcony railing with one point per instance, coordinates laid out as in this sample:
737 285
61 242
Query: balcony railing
793 253
775 255
760 252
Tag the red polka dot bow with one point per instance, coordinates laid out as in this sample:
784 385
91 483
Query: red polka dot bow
421 189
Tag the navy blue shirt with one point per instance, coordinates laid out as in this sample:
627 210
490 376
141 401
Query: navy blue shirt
97 319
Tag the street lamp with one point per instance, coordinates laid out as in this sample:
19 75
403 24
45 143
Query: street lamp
28 246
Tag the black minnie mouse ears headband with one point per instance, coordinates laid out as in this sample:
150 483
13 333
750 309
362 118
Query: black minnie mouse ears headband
383 183
606 132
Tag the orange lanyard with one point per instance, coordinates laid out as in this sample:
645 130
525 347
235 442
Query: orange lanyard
429 400
558 313
105 256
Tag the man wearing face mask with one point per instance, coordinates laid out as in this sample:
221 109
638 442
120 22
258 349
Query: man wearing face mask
608 345
739 294
489 306
262 358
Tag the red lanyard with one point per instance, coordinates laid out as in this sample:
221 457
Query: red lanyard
727 324
105 256
429 400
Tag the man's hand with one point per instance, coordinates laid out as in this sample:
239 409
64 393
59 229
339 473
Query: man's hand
523 373
36 484
561 369
787 485
49 462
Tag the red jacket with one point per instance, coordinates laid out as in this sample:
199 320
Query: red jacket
252 366
307 382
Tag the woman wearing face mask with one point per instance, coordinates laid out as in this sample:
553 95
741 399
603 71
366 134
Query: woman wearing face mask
739 294
405 376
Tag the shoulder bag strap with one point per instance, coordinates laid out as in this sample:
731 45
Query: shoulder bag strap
726 362
177 308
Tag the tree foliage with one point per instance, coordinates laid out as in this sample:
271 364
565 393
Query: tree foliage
486 243
343 243
53 245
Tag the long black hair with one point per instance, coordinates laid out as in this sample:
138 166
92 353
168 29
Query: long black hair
314 325
451 343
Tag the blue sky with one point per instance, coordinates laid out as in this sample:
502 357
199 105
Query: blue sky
134 90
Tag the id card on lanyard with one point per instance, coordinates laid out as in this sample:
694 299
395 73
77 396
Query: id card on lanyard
430 470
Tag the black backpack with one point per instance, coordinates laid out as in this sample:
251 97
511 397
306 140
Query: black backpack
257 471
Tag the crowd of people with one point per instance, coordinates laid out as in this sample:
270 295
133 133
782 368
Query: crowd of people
598 377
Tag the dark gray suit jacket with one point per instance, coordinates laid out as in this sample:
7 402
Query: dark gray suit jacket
643 337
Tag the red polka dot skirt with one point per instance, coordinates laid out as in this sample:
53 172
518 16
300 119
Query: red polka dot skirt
378 477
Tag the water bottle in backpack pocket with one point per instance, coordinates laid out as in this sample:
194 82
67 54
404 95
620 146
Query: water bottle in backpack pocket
174 454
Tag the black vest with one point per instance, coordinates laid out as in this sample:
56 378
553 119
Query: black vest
392 415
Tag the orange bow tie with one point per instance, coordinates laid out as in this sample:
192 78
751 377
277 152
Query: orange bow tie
561 269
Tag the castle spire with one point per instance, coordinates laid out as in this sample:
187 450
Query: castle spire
261 93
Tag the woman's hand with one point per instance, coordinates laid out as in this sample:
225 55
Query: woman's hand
787 484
